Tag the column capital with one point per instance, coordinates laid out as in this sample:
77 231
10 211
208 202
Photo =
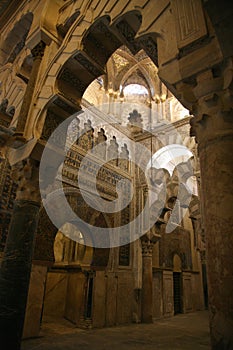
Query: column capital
38 50
147 247
209 97
26 174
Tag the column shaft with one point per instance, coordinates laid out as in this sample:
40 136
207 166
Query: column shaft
147 278
212 126
217 192
17 258
15 272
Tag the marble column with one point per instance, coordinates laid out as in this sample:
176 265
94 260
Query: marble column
147 277
212 125
16 264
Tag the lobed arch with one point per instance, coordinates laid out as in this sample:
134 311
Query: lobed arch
182 257
84 64
158 40
44 246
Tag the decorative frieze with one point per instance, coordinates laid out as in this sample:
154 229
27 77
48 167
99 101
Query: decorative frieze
103 177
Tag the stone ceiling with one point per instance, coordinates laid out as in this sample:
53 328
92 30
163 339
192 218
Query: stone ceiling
124 68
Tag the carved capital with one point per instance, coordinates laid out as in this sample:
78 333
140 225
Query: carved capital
26 175
148 240
213 117
38 50
210 100
147 247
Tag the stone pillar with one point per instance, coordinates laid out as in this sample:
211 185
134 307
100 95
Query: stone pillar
147 277
16 264
37 53
212 126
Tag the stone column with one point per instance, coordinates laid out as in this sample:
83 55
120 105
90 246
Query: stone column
212 126
16 264
37 53
147 277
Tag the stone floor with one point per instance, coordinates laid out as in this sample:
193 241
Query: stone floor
187 331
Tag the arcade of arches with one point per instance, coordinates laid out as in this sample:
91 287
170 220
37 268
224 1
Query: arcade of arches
137 96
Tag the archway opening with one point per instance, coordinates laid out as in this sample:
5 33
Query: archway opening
68 251
109 74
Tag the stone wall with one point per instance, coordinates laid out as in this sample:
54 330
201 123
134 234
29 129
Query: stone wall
113 299
55 294
35 301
